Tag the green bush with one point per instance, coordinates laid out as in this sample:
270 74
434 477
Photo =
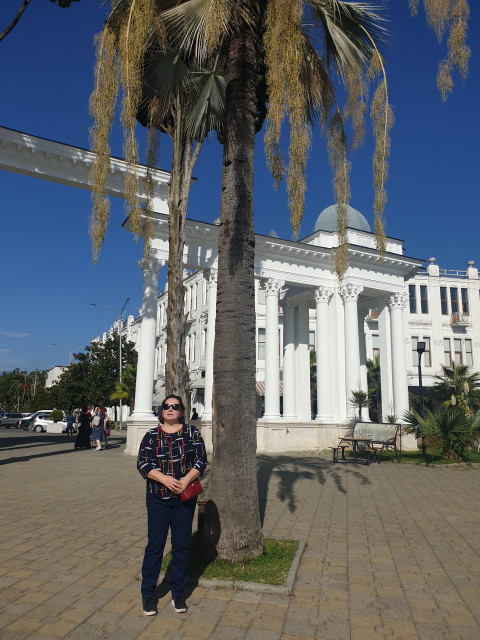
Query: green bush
56 415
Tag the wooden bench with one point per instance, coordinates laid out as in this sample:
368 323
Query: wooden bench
381 437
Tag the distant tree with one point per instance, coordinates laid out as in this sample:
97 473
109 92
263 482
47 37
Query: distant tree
22 389
93 378
125 390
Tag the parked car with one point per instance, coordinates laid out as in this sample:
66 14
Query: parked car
10 419
27 420
27 423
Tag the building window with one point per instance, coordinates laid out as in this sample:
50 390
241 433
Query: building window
454 300
261 296
375 345
413 298
465 301
414 351
468 352
311 340
261 344
423 299
457 343
204 342
192 347
193 305
427 356
443 300
447 352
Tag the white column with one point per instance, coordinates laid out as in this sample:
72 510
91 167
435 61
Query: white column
302 364
398 303
324 390
146 352
289 399
385 334
350 293
272 365
210 341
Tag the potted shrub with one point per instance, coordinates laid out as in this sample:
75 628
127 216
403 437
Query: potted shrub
56 416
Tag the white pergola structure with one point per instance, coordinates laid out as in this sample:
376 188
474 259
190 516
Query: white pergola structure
299 276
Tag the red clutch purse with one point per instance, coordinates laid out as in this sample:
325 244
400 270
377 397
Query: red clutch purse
193 489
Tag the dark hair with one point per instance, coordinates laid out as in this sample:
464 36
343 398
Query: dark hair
179 401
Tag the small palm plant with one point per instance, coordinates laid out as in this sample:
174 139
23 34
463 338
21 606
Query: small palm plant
359 399
448 430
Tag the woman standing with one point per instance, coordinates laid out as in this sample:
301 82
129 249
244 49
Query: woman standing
171 456
97 431
83 435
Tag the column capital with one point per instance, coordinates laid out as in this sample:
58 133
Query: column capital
323 294
350 292
273 287
398 300
151 266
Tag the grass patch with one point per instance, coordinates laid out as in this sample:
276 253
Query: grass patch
416 456
271 567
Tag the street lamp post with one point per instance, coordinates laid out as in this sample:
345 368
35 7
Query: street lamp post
120 325
421 350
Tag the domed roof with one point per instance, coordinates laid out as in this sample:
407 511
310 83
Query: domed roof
327 220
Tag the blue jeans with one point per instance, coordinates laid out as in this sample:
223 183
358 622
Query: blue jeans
162 515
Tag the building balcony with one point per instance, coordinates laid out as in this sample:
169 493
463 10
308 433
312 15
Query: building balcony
460 319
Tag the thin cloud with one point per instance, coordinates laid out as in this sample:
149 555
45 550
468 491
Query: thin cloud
5 350
14 334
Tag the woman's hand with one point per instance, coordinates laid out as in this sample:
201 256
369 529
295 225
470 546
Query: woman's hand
174 485
183 482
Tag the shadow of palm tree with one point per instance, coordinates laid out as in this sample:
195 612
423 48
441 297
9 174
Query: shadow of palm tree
292 469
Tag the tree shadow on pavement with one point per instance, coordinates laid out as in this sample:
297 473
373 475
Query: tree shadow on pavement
291 469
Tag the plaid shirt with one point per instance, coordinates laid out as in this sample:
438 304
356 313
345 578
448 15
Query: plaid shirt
188 452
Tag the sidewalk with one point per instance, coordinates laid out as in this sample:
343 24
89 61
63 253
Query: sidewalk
393 550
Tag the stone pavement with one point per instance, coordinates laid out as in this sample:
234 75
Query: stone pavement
393 551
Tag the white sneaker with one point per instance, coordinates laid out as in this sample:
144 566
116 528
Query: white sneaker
98 449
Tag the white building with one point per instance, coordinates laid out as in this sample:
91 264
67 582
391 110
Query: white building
53 375
380 308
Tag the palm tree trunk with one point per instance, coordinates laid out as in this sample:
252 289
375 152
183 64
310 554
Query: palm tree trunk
184 156
232 521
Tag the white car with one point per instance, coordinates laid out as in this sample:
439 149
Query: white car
43 420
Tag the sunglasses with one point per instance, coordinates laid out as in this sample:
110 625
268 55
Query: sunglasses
175 407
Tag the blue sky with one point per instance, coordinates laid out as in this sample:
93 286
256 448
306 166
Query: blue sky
48 279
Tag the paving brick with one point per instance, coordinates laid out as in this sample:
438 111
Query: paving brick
391 552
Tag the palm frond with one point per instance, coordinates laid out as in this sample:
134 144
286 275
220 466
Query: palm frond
208 104
346 27
189 23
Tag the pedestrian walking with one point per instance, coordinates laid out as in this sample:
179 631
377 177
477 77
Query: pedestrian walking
69 419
